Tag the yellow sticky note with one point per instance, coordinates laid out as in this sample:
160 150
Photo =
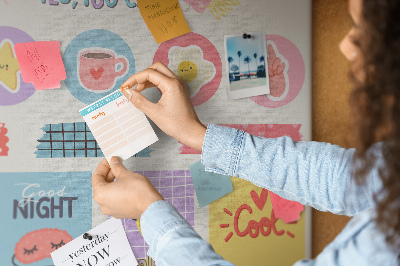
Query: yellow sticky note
164 18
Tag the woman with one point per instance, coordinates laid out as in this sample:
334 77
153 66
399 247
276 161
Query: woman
363 183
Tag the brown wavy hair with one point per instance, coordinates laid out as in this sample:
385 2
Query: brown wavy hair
375 103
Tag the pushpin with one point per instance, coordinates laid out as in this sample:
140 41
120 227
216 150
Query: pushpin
87 236
246 36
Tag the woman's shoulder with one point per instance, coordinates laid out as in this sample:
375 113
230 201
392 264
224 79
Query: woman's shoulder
362 240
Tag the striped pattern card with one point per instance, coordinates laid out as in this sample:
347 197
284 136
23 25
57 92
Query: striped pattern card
118 126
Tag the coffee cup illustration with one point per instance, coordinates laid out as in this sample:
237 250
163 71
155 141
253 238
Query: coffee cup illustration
100 68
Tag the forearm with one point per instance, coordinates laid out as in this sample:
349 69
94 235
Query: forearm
312 173
173 241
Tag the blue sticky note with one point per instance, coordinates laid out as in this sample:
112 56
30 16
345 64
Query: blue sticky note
209 186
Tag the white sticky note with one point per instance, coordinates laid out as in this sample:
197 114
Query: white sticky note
109 246
118 126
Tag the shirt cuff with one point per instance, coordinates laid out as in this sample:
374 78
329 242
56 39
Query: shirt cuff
158 219
222 148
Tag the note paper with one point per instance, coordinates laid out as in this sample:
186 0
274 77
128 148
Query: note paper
209 186
118 126
164 18
288 211
109 246
41 64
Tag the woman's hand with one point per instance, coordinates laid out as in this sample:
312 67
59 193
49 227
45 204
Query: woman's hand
127 197
173 113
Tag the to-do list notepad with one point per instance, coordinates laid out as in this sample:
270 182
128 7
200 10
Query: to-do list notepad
118 126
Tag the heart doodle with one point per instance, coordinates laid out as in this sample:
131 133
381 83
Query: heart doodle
96 74
259 201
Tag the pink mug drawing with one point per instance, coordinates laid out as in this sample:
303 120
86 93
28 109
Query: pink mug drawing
98 69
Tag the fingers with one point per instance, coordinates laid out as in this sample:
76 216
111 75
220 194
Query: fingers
143 86
160 67
110 177
159 80
271 52
117 167
140 102
281 68
100 174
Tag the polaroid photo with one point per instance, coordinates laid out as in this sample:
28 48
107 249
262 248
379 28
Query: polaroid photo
246 61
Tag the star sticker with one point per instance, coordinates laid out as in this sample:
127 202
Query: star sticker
9 67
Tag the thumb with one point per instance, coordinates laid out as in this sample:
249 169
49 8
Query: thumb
138 100
117 167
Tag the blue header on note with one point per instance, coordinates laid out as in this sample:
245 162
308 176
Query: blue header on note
101 103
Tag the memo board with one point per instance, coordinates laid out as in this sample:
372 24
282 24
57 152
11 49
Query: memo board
48 153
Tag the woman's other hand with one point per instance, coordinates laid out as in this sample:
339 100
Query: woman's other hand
128 197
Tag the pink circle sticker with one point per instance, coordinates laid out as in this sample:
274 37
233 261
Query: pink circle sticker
194 59
286 72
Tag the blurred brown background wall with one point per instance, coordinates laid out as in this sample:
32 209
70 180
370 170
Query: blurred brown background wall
331 89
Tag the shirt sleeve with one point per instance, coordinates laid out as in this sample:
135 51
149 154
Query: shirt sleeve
312 173
172 240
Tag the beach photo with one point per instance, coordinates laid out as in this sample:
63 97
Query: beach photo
246 60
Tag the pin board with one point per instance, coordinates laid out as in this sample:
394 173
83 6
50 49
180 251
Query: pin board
47 152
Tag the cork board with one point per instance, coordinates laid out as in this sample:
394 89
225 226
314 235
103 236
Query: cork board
331 89
45 133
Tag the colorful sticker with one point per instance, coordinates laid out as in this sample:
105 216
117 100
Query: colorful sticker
261 130
41 64
244 222
177 188
194 59
97 62
3 140
208 186
286 71
288 211
69 140
219 8
164 19
41 212
44 242
13 89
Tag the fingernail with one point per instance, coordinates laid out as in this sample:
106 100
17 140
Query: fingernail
127 93
115 160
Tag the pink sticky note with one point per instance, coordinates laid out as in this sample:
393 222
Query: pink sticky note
288 211
41 64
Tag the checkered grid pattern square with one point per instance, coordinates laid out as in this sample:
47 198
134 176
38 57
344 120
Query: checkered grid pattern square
67 140
177 188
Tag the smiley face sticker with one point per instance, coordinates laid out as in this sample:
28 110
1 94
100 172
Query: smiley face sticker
195 60
187 70
186 61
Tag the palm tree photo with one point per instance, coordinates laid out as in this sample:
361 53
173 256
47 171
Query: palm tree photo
262 59
255 60
247 60
230 60
239 53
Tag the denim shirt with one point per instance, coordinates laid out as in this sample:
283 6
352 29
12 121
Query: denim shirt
312 173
